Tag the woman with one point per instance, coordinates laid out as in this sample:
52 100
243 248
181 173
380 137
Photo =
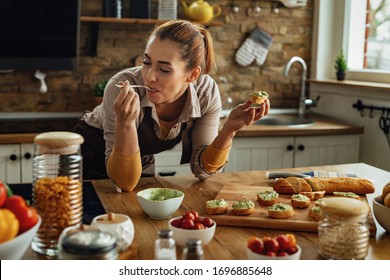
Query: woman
182 104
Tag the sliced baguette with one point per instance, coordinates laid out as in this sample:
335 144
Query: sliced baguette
280 211
291 185
346 194
386 195
314 195
315 213
267 198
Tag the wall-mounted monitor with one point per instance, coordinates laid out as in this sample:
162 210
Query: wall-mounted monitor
39 34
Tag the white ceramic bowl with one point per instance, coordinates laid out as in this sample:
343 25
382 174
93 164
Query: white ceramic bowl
160 209
255 256
181 235
15 248
381 213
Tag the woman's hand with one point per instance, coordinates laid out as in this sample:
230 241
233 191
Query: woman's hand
126 105
244 115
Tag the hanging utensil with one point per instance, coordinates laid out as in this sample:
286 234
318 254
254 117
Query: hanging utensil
384 124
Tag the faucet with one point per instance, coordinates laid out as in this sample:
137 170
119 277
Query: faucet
303 101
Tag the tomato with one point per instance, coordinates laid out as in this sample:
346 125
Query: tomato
207 222
189 216
256 244
282 254
198 226
187 224
292 240
271 245
26 215
3 194
292 250
270 253
283 241
196 214
176 223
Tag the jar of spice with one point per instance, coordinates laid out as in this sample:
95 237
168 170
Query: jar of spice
343 231
57 187
193 250
165 246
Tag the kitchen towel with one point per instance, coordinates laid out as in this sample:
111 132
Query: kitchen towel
255 47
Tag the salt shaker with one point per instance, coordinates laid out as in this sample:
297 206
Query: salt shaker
193 250
343 231
165 246
57 187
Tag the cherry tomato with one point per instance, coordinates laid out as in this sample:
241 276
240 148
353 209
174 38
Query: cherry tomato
187 224
271 245
176 223
207 222
282 254
292 250
283 241
270 253
256 245
198 226
292 240
196 214
189 216
26 215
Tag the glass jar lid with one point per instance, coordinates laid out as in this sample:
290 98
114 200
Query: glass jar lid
90 242
344 206
58 142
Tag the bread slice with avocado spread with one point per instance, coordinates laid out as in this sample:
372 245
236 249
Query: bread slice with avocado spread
300 201
216 206
267 198
346 194
280 211
258 97
243 207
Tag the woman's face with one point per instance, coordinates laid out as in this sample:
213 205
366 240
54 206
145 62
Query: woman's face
164 72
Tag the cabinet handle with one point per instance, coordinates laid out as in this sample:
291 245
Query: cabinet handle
13 157
167 173
301 147
27 155
290 147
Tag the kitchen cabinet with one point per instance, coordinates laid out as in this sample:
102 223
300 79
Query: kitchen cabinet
16 162
259 153
168 163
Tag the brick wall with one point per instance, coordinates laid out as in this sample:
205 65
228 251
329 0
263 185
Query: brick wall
120 46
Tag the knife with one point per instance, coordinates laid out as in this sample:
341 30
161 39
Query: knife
284 174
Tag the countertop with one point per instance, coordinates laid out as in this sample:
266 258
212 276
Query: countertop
322 125
229 242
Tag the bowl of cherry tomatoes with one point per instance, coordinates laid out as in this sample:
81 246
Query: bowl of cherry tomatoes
191 225
280 247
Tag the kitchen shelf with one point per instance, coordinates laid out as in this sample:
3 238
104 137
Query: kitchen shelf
94 23
135 20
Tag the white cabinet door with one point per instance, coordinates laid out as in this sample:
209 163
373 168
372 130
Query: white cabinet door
258 153
27 153
325 150
10 167
168 163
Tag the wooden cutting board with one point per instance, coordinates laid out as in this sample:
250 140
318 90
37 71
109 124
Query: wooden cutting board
260 219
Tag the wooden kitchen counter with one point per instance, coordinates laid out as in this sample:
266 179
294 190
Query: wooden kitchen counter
229 242
322 126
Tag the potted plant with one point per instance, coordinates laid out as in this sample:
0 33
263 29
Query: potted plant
340 66
99 91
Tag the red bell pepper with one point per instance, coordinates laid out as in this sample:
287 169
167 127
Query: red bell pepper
26 215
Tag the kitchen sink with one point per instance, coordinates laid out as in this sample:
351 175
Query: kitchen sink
276 119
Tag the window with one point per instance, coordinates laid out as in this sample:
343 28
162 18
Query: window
369 39
362 29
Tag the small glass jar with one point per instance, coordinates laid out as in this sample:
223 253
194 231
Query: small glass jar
165 246
343 231
57 187
193 250
88 245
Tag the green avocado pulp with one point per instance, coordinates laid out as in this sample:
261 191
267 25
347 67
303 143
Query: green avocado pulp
163 194
260 94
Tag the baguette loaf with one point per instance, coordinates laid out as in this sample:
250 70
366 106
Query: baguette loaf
293 185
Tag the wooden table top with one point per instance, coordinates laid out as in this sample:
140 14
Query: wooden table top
229 242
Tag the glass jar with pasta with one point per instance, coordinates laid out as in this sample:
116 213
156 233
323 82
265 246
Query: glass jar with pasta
57 187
